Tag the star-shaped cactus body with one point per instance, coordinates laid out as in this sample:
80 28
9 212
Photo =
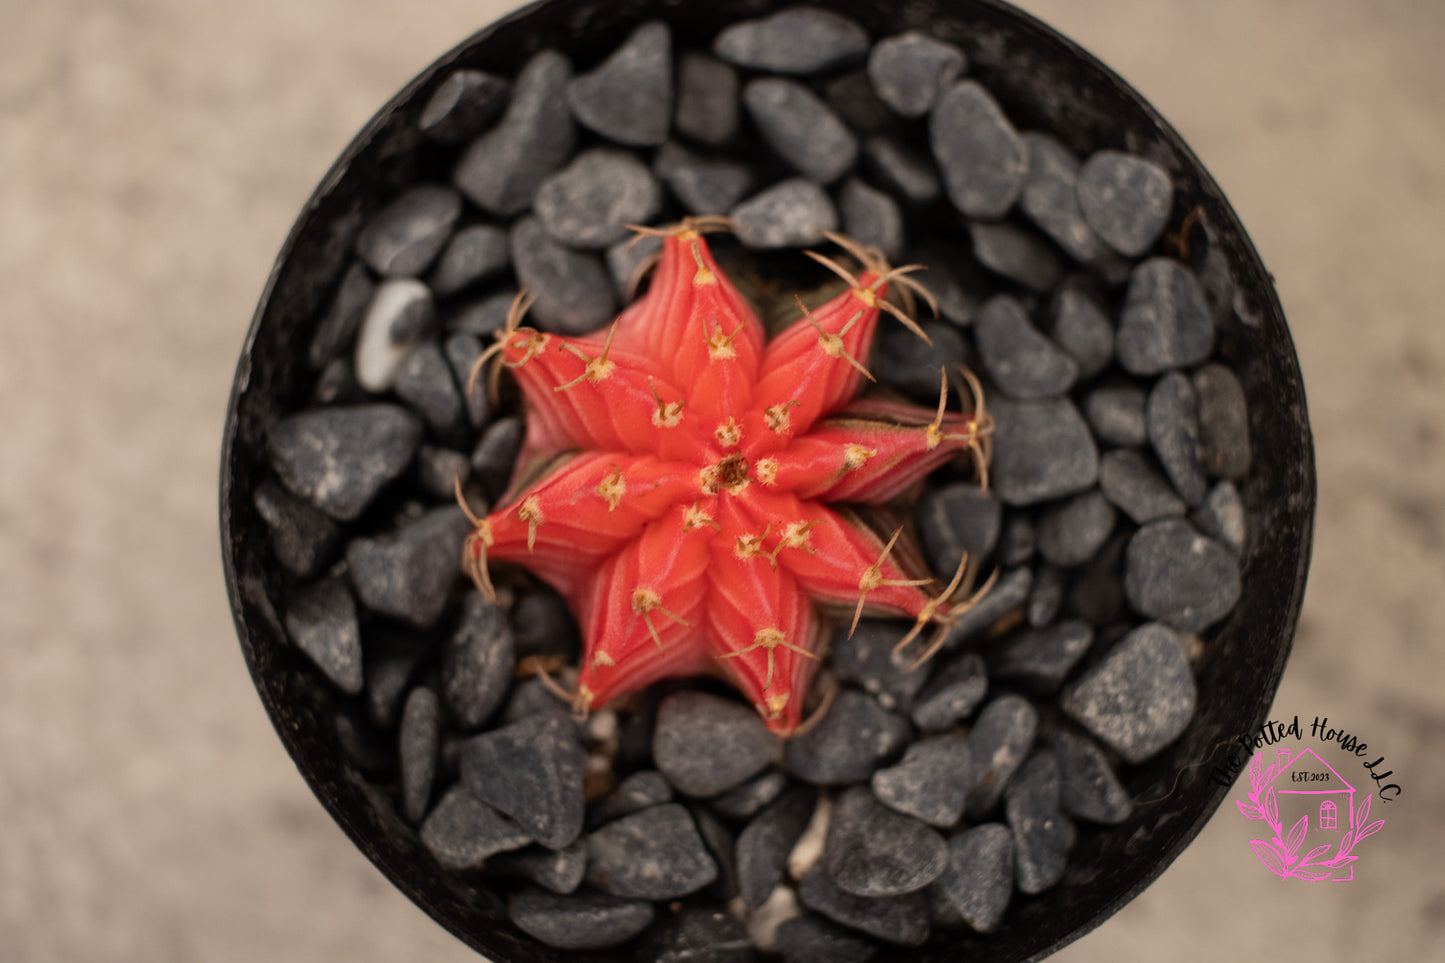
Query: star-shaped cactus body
677 473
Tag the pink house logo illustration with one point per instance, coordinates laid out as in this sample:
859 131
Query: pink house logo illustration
1302 791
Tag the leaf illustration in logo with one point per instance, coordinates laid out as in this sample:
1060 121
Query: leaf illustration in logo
1316 853
1314 875
1268 854
1256 773
1370 830
1362 813
1249 811
1271 807
1296 836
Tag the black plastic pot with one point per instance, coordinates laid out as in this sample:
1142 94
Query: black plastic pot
1043 81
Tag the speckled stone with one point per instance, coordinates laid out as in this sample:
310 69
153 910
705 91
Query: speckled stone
931 782
1083 330
906 175
531 770
1015 253
801 128
1042 451
400 314
625 258
952 694
302 538
791 213
983 159
654 854
580 921
1165 321
1223 422
405 237
424 381
896 919
1179 576
495 454
1051 201
1008 595
409 573
707 99
339 458
1088 788
1131 480
747 800
462 831
588 203
1039 659
1046 598
1221 516
798 40
955 519
706 745
763 847
463 105
866 658
872 217
628 98
999 741
704 185
559 871
419 741
873 851
852 739
1020 359
1042 834
1116 413
462 351
573 288
808 939
979 878
477 662
1126 200
1172 417
696 935
337 327
903 360
321 620
1070 532
910 70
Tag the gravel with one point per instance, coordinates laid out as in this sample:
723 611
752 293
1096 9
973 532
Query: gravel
531 770
400 314
874 851
420 739
339 458
1116 413
475 254
983 159
957 688
1223 447
693 935
477 663
791 213
707 99
931 782
1088 788
955 519
495 454
302 538
407 235
979 878
1125 199
409 573
1001 737
871 217
559 871
463 105
807 939
1042 834
573 288
1050 199
800 40
1165 322
633 794
321 620
462 351
909 71
462 832
424 381
1172 416
1133 482
866 658
747 800
1022 362
1039 659
1042 451
1069 533
588 203
1179 576
580 921
763 847
896 919
628 98
851 740
704 185
1008 595
706 745
906 174
801 128
1046 597
654 854
1221 516
342 318
1083 330
1016 254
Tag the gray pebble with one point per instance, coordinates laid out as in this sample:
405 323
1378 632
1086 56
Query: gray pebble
400 314
704 185
462 351
955 519
407 235
337 327
1042 451
1000 739
1097 592
1130 480
531 770
697 935
1050 200
853 99
477 663
559 871
424 381
763 847
807 939
980 876
303 539
952 695
1140 697
339 458
483 316
705 745
420 734
496 453
1084 331
462 831
1172 416
951 276
372 752
866 658
463 105
628 99
1125 199
1015 253
707 99
321 620
871 217
897 919
653 854
1016 540
408 574
389 660
580 921
1223 422
910 70
931 782
1017 356
723 848
983 159
633 794
587 203
1165 322
1088 788
1008 594
1047 596
1175 574
1042 834
475 254
852 739
502 169
530 697
791 213
907 176
623 260
903 360
799 40
573 289
1071 532
1221 516
873 851
801 128
747 800
543 625
1040 659
336 385
1116 413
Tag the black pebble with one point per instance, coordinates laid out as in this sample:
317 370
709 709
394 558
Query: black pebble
1042 451
909 71
531 770
1131 481
897 919
951 696
871 217
853 99
723 848
1000 739
930 782
625 258
1050 200
1008 594
696 935
573 288
866 658
389 659
1042 834
955 519
1140 697
1221 516
801 128
1039 659
653 854
1172 416
1116 413
502 169
337 328
339 458
462 831
747 800
1015 253
980 876
707 99
874 851
1071 532
321 620
1177 575
477 663
706 745
1096 593
1017 539
704 185
486 314
462 351
407 235
1084 331
408 574
424 381
496 453
463 105
628 99
420 735
851 740
303 539
1088 788
908 176
791 213
543 625
983 159
1165 322
903 360
1017 356
588 203
560 871
807 939
763 847
475 254
1125 199
799 40
580 921
1223 422
1047 595
633 794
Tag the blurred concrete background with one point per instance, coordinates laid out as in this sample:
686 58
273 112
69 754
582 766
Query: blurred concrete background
153 154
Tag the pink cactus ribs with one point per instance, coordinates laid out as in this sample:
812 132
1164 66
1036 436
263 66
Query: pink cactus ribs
677 469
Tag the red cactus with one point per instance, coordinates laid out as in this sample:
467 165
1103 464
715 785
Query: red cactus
673 481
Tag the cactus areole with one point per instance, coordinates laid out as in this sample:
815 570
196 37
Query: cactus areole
683 480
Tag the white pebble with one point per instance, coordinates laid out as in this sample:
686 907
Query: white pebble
763 922
377 356
809 848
